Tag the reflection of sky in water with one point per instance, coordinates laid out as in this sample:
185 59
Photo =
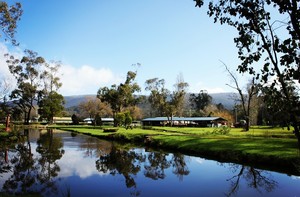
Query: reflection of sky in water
78 173
74 164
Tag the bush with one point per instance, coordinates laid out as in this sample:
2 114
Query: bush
110 130
224 130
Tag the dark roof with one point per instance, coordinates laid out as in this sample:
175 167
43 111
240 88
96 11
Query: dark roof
184 119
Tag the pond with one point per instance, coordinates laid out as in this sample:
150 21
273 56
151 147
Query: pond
58 163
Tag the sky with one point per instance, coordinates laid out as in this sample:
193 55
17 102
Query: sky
99 41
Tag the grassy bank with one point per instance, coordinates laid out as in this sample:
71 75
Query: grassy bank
265 147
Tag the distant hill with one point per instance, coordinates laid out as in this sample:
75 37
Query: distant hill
72 101
227 99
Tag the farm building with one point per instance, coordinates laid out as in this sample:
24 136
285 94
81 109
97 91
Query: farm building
185 121
105 121
62 120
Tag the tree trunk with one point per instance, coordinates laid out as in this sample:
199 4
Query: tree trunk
247 126
115 121
27 117
296 126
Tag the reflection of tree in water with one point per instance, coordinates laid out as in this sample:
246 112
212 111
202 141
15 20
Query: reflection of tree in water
118 161
34 175
50 149
128 164
256 179
180 168
95 147
4 163
5 146
157 164
24 171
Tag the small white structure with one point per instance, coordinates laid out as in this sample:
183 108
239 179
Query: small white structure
105 121
62 120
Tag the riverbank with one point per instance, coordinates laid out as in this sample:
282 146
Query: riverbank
267 148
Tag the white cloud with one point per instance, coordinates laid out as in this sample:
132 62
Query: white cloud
201 86
76 81
199 160
86 79
5 74
3 66
73 164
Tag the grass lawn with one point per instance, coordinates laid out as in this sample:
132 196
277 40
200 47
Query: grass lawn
262 145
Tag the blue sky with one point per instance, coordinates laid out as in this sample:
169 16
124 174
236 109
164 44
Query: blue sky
99 40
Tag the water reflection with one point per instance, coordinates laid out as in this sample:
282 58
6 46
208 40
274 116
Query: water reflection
52 163
34 174
256 179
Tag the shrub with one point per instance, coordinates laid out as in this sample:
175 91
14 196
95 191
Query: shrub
224 130
110 130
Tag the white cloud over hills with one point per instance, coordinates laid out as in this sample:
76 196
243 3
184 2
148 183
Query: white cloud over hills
86 79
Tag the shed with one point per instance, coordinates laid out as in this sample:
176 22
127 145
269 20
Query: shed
105 121
62 120
185 121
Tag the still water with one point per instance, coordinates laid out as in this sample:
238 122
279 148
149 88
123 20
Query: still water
58 163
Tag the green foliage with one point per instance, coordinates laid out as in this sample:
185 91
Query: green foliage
164 103
120 119
158 95
51 105
120 96
9 16
98 120
110 130
75 119
128 119
223 130
200 101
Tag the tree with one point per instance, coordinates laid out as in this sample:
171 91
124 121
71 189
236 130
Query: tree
162 101
120 119
135 112
75 119
51 102
27 73
218 111
51 105
158 95
199 102
121 96
9 16
178 96
244 98
93 107
128 119
267 40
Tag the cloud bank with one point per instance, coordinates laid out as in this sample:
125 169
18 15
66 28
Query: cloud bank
85 79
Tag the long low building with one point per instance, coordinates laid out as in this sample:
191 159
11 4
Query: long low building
185 121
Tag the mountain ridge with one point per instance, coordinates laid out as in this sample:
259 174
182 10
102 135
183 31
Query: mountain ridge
226 98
